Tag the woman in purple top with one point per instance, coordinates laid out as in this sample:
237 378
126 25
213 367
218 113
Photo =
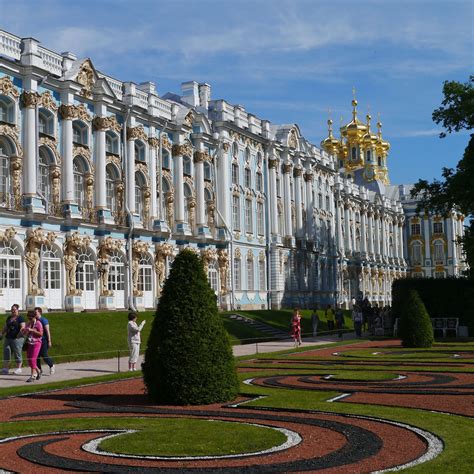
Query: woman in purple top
33 331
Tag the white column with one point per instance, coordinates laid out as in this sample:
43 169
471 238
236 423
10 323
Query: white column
223 187
363 230
400 236
308 177
353 215
287 167
153 143
178 183
339 213
395 238
68 114
199 183
130 174
299 214
377 234
30 101
100 127
370 232
426 226
272 164
347 227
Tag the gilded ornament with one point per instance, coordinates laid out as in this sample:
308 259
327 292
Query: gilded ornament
116 160
50 142
199 156
67 112
287 167
308 177
162 252
82 113
30 99
86 78
137 133
226 146
47 101
8 88
165 142
16 169
55 173
208 256
7 235
223 262
72 245
297 172
154 142
272 163
104 251
139 249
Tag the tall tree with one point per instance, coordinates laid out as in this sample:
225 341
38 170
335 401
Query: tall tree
456 189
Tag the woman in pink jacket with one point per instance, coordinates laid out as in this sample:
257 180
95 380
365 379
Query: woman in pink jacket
33 331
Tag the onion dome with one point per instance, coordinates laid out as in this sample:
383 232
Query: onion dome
382 145
355 128
331 144
369 137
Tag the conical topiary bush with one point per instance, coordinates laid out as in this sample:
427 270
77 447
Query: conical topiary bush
188 359
415 324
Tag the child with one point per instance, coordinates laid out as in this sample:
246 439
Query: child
133 331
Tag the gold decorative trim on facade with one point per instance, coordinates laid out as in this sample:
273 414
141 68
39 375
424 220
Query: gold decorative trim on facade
297 172
86 78
165 142
190 182
47 101
188 120
137 133
208 257
162 252
51 144
16 165
226 146
71 112
12 131
143 168
7 235
139 249
237 253
55 173
30 100
119 213
287 167
8 88
308 177
74 242
35 239
116 160
182 150
104 251
223 262
82 113
154 142
106 123
84 151
199 156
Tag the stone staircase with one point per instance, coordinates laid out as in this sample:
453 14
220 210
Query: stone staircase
262 327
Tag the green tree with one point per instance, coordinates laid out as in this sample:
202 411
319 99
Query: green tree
415 329
456 189
188 359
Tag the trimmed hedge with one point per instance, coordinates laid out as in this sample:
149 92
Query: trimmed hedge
442 297
415 327
188 359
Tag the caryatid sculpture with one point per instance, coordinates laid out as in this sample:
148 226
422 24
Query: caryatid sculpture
35 238
162 251
223 260
208 256
139 248
105 248
73 244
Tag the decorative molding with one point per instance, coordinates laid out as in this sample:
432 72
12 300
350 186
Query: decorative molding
74 242
105 248
12 132
71 112
199 156
52 145
287 167
86 78
116 160
154 142
223 262
106 123
47 101
297 172
292 139
8 88
181 150
137 133
165 142
30 99
16 167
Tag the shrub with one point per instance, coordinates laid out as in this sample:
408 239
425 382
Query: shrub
188 359
415 324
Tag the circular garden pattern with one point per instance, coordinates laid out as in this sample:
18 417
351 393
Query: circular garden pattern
295 414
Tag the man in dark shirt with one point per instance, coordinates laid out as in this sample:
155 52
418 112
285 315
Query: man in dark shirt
14 340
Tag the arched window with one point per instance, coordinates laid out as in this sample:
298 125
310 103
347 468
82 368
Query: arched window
260 218
45 184
248 216
235 173
166 161
250 275
368 155
259 182
116 273
112 179
79 133
379 161
259 160
187 165
10 265
79 170
188 194
248 178
354 153
235 149
5 151
140 184
247 155
111 143
7 109
139 150
212 277
45 122
85 271
207 171
145 273
51 269
439 251
416 253
236 212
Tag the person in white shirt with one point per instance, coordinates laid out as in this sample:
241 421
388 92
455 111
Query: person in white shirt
134 340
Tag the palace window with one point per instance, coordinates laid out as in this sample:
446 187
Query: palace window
187 165
145 274
85 271
235 174
45 175
354 154
260 219
368 155
261 275
248 178
259 182
79 133
248 216
112 179
416 256
415 229
438 228
250 275
278 186
10 266
139 151
235 149
236 212
212 277
237 275
7 110
140 185
111 143
166 161
116 272
79 170
51 268
439 251
207 171
45 122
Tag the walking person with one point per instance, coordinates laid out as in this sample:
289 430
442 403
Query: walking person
339 320
134 339
330 317
296 327
33 332
14 340
357 320
315 321
45 344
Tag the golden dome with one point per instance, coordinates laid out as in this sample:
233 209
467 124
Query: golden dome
369 138
331 144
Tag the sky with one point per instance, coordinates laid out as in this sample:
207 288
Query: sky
287 61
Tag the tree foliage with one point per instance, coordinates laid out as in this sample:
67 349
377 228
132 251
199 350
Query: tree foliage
456 189
188 359
415 327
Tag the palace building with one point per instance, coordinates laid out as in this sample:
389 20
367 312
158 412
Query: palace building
103 182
